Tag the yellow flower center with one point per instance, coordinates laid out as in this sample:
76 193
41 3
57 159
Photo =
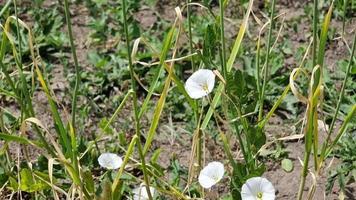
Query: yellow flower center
205 87
259 196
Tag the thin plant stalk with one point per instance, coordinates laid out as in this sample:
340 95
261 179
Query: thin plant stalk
72 126
191 49
341 97
19 63
76 65
245 148
116 183
258 77
6 6
341 131
343 17
342 92
266 69
196 148
285 92
315 31
135 102
311 128
117 111
222 38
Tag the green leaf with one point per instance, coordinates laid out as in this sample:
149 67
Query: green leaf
14 138
210 44
29 183
88 181
257 138
236 84
13 184
353 70
287 165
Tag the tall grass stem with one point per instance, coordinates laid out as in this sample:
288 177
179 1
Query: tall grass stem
191 49
135 102
266 69
342 92
6 6
76 64
222 38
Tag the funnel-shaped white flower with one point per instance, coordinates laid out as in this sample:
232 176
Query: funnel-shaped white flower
258 188
211 174
110 160
200 83
140 193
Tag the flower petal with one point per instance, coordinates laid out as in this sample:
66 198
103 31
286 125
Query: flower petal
194 90
140 193
267 189
211 174
256 185
206 181
110 160
200 83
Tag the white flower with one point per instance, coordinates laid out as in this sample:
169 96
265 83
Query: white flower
110 160
211 174
258 188
140 193
200 83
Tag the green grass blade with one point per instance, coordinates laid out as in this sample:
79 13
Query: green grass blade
324 36
15 138
76 65
166 46
342 129
116 183
117 111
266 70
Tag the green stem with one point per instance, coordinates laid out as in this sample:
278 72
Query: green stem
343 17
76 65
222 38
315 31
341 97
342 130
19 63
304 175
266 70
245 148
191 49
6 6
135 102
116 183
258 77
75 92
342 92
117 111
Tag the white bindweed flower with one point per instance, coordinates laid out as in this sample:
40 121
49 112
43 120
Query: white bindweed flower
200 83
140 193
110 160
258 188
211 174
